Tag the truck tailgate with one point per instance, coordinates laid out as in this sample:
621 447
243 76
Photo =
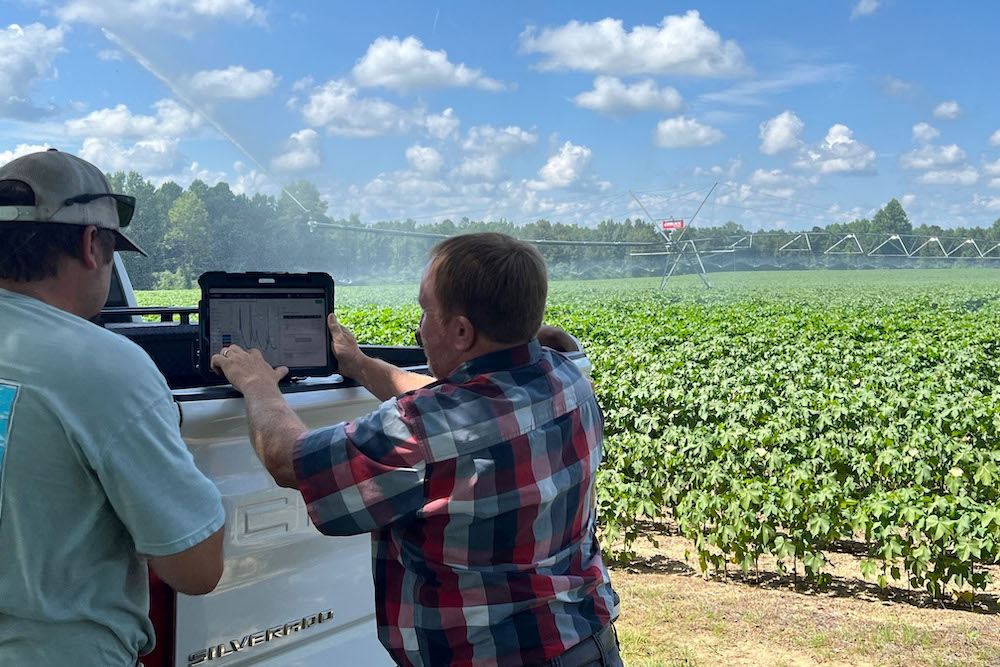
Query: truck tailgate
289 595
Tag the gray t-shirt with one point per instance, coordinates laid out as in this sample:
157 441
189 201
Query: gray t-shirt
93 473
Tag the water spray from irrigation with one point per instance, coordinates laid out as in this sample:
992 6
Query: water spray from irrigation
180 94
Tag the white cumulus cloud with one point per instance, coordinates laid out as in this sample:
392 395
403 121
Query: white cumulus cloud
336 106
612 97
924 133
840 153
20 151
171 120
779 182
406 64
251 181
963 176
678 45
907 199
498 140
443 125
149 157
948 109
681 132
992 168
769 177
424 159
185 17
733 167
931 157
26 56
735 194
301 152
780 133
208 176
564 168
864 8
234 83
477 184
995 139
303 83
478 168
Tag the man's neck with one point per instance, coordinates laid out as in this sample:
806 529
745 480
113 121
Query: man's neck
49 291
484 347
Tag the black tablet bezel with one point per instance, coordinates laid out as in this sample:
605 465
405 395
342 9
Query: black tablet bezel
258 280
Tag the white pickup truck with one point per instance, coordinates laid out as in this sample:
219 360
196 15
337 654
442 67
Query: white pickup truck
288 595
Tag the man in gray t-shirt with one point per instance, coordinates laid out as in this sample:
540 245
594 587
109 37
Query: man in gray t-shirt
95 480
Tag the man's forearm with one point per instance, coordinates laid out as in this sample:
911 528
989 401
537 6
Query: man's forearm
274 430
385 380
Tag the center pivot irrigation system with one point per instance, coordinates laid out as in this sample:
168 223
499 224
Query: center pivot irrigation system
686 251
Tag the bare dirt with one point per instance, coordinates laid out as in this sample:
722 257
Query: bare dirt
673 615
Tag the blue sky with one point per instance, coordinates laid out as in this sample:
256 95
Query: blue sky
805 113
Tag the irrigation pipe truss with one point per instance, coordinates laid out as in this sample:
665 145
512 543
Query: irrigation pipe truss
850 242
428 235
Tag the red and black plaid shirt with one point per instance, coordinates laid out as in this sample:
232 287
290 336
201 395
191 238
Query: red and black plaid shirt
479 492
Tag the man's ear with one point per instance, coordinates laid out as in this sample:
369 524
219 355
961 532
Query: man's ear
91 253
464 333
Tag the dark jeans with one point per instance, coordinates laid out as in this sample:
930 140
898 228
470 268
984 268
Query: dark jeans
599 650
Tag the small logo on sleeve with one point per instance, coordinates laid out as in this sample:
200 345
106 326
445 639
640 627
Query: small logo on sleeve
8 395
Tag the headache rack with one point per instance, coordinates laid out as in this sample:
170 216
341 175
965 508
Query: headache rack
172 342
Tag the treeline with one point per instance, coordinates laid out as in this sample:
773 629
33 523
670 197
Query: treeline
200 228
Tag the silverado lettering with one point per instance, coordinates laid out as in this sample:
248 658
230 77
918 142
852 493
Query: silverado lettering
259 637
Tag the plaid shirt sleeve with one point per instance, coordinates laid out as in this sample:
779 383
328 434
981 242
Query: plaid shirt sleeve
357 477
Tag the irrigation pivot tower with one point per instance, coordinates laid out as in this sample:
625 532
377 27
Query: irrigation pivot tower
667 231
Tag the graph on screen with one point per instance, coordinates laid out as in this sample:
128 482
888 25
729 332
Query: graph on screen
288 327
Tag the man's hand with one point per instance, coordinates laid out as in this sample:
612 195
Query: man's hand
248 372
350 358
380 378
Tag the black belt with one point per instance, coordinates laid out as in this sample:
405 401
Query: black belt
590 650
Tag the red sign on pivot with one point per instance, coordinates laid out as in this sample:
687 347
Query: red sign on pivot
673 224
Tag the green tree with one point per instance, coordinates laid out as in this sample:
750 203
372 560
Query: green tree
891 219
187 240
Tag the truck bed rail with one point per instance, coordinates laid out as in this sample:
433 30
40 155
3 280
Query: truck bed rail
172 342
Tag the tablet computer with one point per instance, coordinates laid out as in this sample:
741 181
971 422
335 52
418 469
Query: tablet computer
281 314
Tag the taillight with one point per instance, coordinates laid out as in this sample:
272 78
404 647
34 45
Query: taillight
162 599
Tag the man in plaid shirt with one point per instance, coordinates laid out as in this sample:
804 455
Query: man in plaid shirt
478 488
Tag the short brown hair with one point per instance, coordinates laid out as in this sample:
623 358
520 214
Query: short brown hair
497 281
31 252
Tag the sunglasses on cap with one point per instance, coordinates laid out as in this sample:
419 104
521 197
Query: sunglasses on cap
124 203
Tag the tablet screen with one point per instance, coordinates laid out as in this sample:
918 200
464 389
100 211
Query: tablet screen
287 324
